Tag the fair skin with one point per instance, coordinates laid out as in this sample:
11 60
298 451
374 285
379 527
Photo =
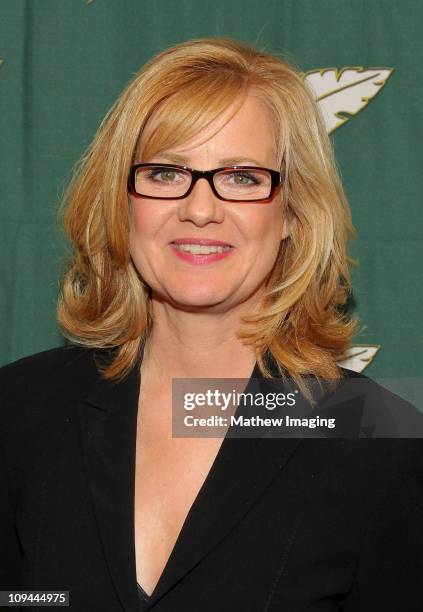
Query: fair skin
196 312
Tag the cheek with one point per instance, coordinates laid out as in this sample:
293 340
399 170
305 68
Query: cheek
264 227
140 231
144 222
137 220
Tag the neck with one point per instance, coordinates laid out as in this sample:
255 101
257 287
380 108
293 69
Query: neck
195 345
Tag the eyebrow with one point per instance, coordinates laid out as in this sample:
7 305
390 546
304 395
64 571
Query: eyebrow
227 161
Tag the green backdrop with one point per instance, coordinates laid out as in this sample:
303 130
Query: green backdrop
64 62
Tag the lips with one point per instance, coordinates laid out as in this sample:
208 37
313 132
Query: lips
201 251
202 242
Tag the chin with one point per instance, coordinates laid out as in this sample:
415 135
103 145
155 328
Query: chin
196 297
196 301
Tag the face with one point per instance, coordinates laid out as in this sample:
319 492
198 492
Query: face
216 282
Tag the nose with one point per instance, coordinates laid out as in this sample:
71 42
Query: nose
201 206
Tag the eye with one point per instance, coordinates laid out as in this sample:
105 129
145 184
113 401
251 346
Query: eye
243 178
164 175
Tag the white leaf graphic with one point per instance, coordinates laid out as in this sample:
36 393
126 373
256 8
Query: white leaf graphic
359 356
348 91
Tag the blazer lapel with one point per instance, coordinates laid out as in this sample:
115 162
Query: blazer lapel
108 417
241 471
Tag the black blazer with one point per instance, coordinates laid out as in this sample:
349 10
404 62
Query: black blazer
280 525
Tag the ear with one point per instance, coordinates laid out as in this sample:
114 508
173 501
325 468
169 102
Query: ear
288 224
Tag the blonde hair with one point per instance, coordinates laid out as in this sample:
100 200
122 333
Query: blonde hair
104 303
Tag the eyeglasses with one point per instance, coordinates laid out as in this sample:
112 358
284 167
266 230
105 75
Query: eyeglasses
232 184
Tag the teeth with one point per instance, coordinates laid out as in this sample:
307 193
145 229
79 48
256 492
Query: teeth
201 249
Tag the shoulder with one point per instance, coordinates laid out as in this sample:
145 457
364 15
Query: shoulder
50 365
382 413
27 384
50 357
377 444
389 448
355 384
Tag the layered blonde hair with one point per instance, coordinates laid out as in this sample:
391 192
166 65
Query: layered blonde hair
301 321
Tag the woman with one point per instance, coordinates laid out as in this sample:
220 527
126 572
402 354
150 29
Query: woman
210 236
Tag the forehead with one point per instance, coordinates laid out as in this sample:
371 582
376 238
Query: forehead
249 130
243 130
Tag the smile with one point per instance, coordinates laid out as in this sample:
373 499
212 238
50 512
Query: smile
201 252
201 249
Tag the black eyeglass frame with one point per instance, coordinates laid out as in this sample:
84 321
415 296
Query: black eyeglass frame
275 178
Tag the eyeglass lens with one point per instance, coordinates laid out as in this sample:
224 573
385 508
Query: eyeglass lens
170 182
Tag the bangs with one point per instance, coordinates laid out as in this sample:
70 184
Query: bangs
190 111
